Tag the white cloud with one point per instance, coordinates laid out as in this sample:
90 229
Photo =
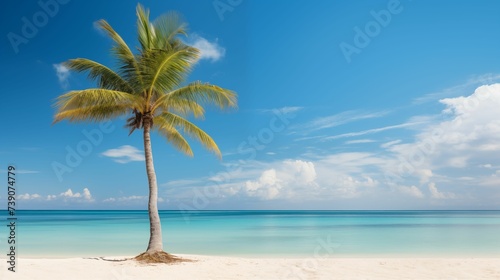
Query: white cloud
286 179
296 180
125 154
445 150
461 89
300 172
68 195
62 73
458 162
208 50
28 196
424 174
411 191
346 175
484 97
470 133
86 196
346 185
450 148
266 187
435 193
284 182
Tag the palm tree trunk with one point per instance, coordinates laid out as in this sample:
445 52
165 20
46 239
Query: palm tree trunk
155 236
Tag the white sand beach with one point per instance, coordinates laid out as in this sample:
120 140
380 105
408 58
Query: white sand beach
215 267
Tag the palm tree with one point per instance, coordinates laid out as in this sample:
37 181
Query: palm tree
149 87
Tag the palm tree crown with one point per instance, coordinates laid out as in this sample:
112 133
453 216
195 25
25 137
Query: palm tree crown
147 85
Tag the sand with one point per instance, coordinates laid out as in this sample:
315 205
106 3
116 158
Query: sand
213 267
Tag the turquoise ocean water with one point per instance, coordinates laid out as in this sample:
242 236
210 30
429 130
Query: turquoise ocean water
252 233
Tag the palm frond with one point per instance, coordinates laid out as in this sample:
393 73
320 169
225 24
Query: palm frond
204 93
173 136
127 62
91 113
145 29
167 28
121 49
96 97
163 70
106 78
179 123
184 107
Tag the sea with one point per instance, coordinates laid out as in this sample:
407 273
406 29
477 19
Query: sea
62 233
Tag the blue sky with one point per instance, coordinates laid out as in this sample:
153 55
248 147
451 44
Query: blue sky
342 105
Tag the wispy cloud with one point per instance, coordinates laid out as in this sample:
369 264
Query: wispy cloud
283 110
359 141
339 119
288 110
310 138
182 183
62 73
372 131
390 143
124 154
208 50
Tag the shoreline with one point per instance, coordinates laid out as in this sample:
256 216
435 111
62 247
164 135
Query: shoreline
269 257
428 255
223 267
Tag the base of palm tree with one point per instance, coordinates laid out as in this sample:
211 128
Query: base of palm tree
159 257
